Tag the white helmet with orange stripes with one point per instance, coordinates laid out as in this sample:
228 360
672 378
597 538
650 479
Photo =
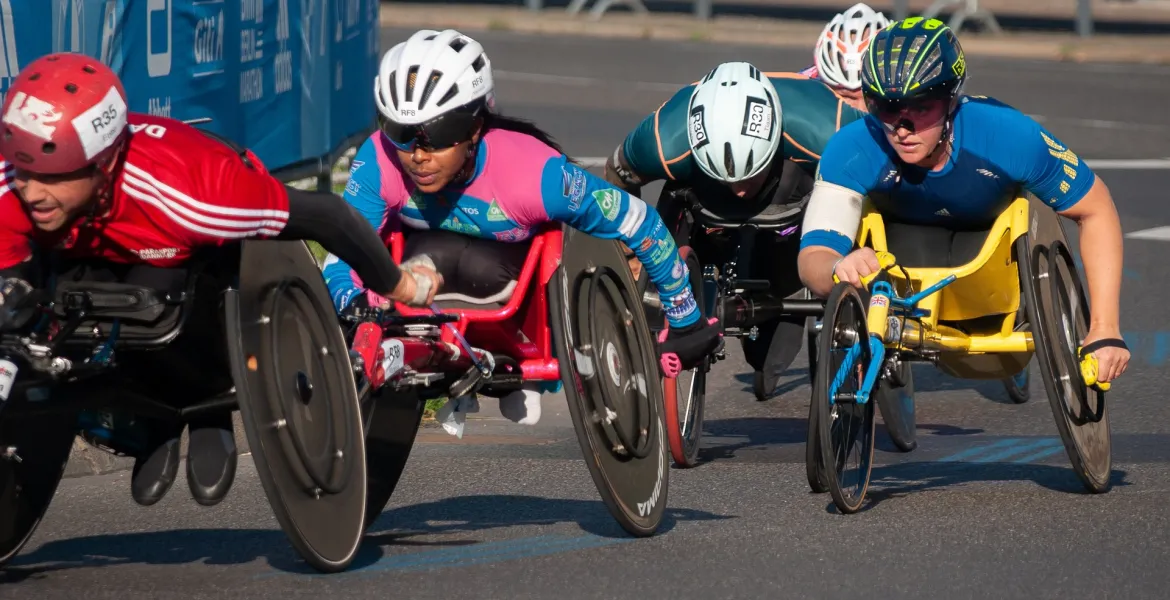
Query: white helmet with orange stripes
842 45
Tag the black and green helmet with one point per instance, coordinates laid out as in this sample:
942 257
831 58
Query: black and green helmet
913 58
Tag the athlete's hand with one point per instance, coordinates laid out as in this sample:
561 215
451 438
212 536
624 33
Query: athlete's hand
1112 361
419 283
855 265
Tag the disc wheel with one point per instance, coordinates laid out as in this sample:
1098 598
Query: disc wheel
27 486
818 480
1058 305
607 362
844 428
683 397
896 403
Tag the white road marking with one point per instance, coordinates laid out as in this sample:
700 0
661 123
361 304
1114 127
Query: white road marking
1160 234
575 81
1104 164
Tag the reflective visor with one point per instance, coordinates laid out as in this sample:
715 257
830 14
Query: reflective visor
444 131
915 114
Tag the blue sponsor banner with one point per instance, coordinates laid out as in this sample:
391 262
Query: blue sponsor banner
290 79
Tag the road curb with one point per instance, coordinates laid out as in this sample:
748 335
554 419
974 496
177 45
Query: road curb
760 32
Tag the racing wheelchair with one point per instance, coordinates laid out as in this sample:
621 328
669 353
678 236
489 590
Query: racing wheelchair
570 316
247 327
732 237
978 317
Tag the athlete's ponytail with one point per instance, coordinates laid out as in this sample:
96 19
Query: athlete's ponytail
494 120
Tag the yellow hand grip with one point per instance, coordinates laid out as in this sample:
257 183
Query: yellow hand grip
1089 373
885 261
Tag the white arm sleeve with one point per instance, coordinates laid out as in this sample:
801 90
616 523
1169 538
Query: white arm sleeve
833 208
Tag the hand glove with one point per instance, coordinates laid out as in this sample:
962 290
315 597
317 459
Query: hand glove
682 349
13 292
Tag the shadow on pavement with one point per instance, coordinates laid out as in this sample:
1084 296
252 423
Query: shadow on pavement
394 528
900 480
478 513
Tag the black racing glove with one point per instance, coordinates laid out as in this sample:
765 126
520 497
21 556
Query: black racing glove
685 348
13 293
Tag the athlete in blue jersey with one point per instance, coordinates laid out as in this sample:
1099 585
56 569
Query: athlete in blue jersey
468 184
942 166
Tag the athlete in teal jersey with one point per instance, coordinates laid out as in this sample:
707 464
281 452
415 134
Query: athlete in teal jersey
744 143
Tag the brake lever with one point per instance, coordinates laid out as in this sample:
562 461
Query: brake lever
483 369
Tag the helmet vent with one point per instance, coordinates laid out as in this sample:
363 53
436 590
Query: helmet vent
478 64
393 90
89 69
728 159
71 88
430 87
34 77
448 96
49 148
747 167
457 44
411 76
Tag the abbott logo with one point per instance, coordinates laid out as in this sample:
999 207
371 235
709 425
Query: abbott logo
157 64
9 64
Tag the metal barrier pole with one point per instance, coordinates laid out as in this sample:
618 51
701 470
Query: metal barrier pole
901 9
603 5
1084 18
703 9
969 10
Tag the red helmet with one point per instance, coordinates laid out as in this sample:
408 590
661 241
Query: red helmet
63 113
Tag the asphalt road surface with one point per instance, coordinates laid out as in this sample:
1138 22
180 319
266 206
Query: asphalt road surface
987 506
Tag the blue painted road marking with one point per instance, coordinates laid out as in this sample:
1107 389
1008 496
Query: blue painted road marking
1032 449
477 554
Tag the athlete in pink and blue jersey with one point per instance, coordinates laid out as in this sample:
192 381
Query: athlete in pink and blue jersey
467 183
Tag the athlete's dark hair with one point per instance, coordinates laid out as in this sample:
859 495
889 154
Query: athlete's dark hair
494 120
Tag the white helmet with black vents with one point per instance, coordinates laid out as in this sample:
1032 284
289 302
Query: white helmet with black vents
431 74
734 122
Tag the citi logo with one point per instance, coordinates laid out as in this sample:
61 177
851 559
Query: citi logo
209 39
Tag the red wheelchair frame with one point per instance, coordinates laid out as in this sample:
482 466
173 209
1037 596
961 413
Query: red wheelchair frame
497 330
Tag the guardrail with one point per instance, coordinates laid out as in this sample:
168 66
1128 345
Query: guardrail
962 11
289 79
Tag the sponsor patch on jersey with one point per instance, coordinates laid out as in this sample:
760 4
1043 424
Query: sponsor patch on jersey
99 126
698 129
678 269
495 213
416 201
516 234
663 248
33 115
355 165
757 119
452 223
646 244
157 253
353 187
685 307
609 201
573 187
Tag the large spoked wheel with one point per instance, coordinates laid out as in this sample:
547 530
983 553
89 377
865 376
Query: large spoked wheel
1018 386
683 397
609 366
818 481
1058 306
27 485
844 428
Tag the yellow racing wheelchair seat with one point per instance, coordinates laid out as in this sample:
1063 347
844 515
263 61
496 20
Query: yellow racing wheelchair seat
983 303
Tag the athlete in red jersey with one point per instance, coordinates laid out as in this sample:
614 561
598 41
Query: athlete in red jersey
117 196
